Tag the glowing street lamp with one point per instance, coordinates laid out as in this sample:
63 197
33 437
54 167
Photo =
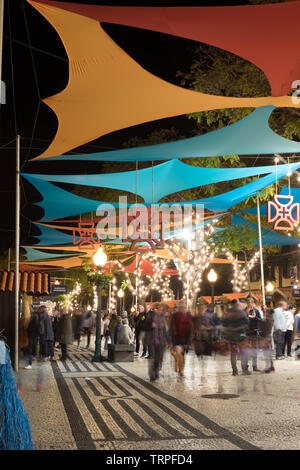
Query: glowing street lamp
270 287
212 277
120 294
100 259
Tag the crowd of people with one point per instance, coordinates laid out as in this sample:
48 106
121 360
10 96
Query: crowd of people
239 329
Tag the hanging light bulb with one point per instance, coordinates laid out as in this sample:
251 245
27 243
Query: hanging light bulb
100 257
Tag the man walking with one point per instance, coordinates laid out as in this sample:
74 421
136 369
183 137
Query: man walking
279 328
138 320
289 317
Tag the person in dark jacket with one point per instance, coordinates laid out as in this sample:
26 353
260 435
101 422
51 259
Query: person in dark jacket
64 333
234 327
33 333
203 332
157 341
46 334
113 326
255 319
77 326
138 323
266 328
180 332
146 328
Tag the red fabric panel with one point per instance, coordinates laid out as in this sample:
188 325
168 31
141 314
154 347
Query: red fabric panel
266 35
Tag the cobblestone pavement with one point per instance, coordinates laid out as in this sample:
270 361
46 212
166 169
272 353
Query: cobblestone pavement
87 405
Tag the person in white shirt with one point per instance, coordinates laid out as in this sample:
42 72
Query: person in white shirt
289 317
280 328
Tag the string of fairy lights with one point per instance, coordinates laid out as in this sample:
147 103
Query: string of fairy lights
191 264
197 261
239 280
144 284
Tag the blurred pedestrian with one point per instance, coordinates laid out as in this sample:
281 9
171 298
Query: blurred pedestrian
88 323
289 318
146 329
203 331
64 332
113 326
48 335
280 328
33 332
181 333
77 326
138 321
255 318
266 328
157 340
234 325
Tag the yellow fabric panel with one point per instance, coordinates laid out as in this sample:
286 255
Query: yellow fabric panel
108 90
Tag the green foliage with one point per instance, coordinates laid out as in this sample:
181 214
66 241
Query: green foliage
236 238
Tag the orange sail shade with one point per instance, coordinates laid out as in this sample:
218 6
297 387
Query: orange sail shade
263 34
108 90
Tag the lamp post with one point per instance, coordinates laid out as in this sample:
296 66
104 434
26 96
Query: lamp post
270 290
212 277
187 235
120 295
100 259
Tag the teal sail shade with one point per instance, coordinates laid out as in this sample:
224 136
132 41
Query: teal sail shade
268 237
58 203
235 139
264 208
152 184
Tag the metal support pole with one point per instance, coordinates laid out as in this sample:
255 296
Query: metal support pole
1 34
17 267
109 297
213 295
97 356
261 254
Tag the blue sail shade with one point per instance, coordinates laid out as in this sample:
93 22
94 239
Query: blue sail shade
58 203
235 139
284 192
165 179
268 237
50 236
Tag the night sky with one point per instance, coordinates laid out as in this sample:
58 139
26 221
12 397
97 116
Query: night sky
35 73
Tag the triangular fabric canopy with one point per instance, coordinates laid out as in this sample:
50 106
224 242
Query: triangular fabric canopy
268 237
60 203
50 236
152 184
109 91
68 263
70 204
235 139
263 34
36 255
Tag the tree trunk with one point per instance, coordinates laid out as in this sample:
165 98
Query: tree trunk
247 271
